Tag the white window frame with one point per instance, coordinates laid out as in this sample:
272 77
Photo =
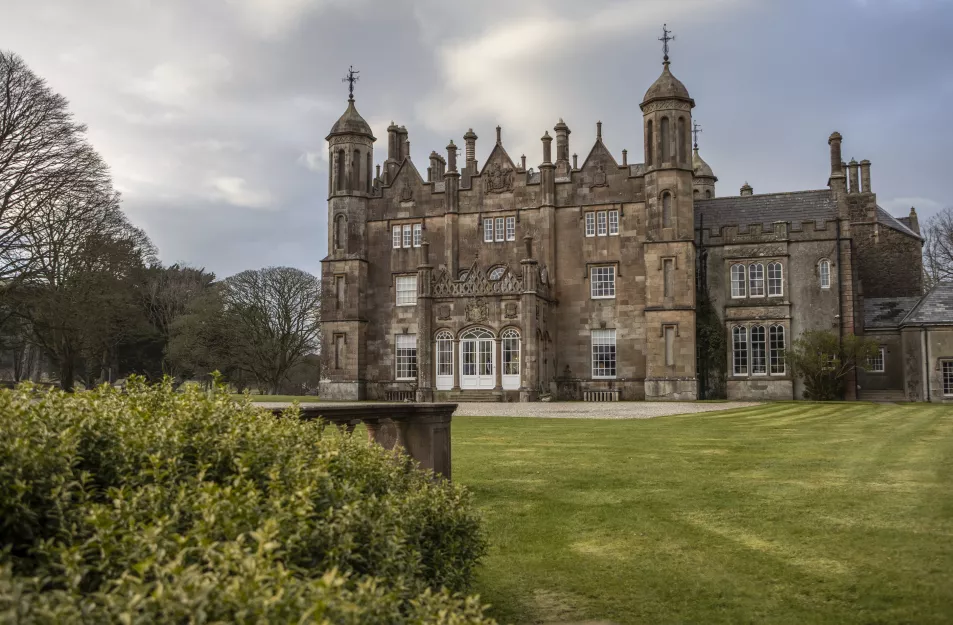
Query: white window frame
406 291
739 351
779 281
511 228
602 224
500 229
756 268
405 357
759 367
602 281
613 223
946 377
741 282
443 360
488 230
590 224
604 356
408 235
777 363
397 237
878 364
824 273
418 234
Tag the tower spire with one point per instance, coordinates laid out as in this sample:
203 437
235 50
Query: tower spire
352 77
696 128
665 39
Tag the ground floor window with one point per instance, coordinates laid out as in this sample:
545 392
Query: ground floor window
444 354
511 352
876 362
739 348
776 346
406 357
759 365
947 377
603 354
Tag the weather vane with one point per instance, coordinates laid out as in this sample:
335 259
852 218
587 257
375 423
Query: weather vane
665 39
352 77
696 128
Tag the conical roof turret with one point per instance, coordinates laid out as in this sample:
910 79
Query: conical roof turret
667 87
351 123
702 169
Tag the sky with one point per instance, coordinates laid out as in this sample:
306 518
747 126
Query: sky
213 113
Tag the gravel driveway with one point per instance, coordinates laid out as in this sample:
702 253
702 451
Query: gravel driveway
574 410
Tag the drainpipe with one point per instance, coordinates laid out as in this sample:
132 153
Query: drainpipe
840 299
926 364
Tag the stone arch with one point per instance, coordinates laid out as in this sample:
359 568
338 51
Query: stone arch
649 143
339 175
356 170
681 137
340 232
668 212
665 133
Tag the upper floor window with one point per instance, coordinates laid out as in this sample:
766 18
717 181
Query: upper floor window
613 222
418 234
824 273
667 217
775 280
397 237
498 229
590 224
756 280
487 230
406 290
511 228
738 280
603 354
408 235
877 362
496 273
602 223
602 282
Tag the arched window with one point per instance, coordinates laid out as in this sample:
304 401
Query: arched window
775 280
511 352
707 194
666 136
444 340
667 217
340 232
756 280
649 143
738 280
776 349
696 194
759 364
739 349
370 166
682 141
463 275
339 174
497 272
356 170
824 273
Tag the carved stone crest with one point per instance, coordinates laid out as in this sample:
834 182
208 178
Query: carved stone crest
443 313
509 310
497 180
599 176
406 193
477 310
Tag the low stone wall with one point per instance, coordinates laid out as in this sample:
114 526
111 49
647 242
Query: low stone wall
423 430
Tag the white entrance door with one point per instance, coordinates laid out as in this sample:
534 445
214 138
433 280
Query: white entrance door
477 361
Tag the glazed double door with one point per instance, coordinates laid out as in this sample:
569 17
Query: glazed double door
477 363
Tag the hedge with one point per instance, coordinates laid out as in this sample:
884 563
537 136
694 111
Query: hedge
147 505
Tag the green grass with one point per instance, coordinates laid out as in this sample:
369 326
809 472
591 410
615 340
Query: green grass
785 513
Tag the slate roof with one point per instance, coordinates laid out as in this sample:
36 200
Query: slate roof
892 222
766 208
887 312
935 308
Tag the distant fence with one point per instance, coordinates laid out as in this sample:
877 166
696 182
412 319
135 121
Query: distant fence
423 430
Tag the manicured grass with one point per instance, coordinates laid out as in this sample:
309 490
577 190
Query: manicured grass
785 513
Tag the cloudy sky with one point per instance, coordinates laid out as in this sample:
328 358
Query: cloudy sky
213 113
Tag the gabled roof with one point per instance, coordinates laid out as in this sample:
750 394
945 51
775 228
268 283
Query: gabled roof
887 312
498 153
795 207
410 167
599 148
892 222
934 308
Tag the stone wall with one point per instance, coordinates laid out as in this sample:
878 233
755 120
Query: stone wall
889 262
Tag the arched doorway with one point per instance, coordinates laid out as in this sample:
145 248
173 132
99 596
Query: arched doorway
510 353
444 360
477 361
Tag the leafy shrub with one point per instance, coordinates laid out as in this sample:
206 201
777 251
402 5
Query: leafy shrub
151 506
824 360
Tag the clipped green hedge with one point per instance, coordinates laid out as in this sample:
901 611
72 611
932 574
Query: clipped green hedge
148 505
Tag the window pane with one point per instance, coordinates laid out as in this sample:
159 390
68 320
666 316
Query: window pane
406 355
444 354
878 361
758 361
601 223
739 337
825 274
602 282
756 279
775 287
499 228
613 222
487 230
603 354
407 235
590 224
418 234
406 290
948 377
396 236
511 228
737 280
511 353
776 338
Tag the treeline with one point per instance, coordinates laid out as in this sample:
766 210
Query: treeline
83 296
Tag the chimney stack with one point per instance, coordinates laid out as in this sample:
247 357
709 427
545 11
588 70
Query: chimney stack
865 176
747 190
470 140
625 158
403 143
914 220
452 156
437 166
854 169
393 151
547 148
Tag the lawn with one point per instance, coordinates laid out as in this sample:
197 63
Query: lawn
785 513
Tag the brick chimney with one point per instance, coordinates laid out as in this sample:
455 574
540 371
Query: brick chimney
747 190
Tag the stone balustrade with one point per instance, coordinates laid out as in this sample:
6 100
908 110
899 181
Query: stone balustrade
423 430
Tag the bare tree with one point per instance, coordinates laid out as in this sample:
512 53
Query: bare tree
44 156
938 248
277 321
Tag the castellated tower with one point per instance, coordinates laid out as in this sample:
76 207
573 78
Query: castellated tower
344 272
669 246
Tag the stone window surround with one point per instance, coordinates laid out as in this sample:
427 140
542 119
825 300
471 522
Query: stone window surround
446 334
493 233
416 227
398 291
747 325
601 222
405 357
593 283
946 376
606 337
746 263
824 266
878 364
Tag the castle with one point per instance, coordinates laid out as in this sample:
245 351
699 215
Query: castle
584 280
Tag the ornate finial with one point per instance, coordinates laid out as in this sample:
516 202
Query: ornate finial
665 39
352 77
599 130
696 128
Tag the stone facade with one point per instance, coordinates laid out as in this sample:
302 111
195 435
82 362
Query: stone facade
580 280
